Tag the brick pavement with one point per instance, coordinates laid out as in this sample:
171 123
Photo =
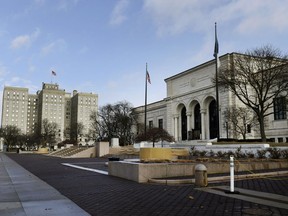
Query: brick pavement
106 195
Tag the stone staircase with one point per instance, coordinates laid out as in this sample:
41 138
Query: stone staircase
128 150
68 152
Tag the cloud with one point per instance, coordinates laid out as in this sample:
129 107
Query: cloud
263 15
24 40
3 71
118 14
176 17
18 81
20 41
67 4
32 68
57 45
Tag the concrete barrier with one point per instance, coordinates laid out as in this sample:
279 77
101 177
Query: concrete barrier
142 172
102 148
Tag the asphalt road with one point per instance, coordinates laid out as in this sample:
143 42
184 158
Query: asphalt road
105 195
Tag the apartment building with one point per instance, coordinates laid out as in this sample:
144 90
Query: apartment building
26 110
15 107
82 104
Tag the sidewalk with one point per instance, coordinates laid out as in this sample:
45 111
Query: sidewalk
22 193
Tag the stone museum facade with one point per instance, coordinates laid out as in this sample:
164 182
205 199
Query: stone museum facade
189 110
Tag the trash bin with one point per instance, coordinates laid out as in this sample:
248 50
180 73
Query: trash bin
201 175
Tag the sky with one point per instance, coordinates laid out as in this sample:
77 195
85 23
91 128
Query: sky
102 46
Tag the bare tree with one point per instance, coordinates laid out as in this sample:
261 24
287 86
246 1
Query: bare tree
11 134
256 78
114 120
154 135
80 131
238 119
77 131
49 131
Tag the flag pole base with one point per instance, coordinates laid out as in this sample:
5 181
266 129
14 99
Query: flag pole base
231 192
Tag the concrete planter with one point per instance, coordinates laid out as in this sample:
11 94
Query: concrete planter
155 154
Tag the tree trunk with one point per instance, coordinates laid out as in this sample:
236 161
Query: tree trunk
262 128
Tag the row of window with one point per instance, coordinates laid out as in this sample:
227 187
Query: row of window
15 93
53 96
160 124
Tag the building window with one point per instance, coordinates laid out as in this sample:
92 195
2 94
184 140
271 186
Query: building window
150 124
279 108
248 129
160 123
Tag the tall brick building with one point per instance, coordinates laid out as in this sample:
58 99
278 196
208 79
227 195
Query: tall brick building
26 110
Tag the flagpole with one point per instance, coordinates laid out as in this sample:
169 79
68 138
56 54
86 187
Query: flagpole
216 49
145 109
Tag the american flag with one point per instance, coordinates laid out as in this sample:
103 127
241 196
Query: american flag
148 77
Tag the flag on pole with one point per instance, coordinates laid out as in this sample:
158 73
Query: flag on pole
53 73
148 76
216 47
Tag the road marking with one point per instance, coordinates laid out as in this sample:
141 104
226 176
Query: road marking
85 168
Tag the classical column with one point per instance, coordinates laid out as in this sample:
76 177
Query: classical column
176 127
203 124
188 114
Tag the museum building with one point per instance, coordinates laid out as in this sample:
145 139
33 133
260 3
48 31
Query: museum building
189 110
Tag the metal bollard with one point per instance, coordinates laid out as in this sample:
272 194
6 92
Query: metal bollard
232 191
231 174
201 175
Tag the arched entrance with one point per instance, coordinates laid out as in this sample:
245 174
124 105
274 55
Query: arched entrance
197 122
184 123
213 119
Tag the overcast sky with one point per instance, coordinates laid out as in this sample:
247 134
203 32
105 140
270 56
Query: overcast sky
102 46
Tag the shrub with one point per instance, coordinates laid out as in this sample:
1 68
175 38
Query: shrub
239 154
211 153
284 154
261 153
221 154
203 153
250 155
274 153
230 153
194 152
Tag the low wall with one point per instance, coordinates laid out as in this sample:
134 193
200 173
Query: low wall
142 172
88 153
42 151
102 148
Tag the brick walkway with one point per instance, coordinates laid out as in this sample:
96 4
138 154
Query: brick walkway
106 195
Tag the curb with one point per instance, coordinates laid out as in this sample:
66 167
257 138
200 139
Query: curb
218 178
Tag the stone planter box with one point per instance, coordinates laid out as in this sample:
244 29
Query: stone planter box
142 172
